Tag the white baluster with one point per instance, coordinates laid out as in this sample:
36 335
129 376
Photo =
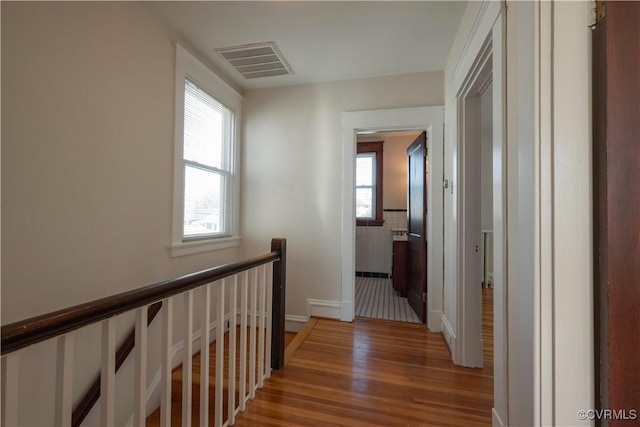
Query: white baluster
187 356
108 373
261 330
204 355
220 320
269 286
252 342
233 304
10 373
242 382
64 376
140 398
167 353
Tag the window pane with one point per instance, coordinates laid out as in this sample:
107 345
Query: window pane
364 169
206 126
203 201
364 203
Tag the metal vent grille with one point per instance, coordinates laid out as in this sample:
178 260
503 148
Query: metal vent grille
256 60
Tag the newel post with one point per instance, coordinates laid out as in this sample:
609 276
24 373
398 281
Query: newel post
278 303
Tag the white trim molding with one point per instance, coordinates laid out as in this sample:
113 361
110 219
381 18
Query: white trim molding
323 308
430 119
496 421
434 321
293 323
449 335
563 241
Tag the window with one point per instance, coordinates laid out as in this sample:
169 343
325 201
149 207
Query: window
369 184
206 183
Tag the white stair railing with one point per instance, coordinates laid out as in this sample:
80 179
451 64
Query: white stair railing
247 296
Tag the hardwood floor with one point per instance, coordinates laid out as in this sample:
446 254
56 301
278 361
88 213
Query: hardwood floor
487 329
376 372
371 372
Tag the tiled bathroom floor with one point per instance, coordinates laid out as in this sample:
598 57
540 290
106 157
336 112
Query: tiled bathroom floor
375 298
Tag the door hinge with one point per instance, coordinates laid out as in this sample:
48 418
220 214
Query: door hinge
424 297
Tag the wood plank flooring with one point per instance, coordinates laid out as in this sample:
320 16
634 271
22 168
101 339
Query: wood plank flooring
372 373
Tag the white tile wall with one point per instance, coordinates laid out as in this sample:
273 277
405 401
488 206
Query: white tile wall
374 245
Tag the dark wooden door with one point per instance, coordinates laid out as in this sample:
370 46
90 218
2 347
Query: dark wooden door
616 152
416 225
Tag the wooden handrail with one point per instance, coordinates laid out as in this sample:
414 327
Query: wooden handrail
36 329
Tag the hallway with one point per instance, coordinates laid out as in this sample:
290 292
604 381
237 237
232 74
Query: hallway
372 372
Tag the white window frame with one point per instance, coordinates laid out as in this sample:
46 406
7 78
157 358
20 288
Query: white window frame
372 155
189 66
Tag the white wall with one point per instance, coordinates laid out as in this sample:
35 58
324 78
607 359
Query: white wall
292 179
395 170
87 157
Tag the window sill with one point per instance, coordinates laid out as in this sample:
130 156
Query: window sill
369 222
190 248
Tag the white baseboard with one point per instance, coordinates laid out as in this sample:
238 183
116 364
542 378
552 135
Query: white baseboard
434 321
293 323
322 308
449 335
347 314
496 420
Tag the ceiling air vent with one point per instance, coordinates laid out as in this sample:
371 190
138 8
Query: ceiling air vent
256 60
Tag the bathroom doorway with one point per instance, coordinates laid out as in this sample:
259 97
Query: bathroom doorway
381 237
408 118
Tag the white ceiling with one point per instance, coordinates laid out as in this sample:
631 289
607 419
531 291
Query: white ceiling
322 40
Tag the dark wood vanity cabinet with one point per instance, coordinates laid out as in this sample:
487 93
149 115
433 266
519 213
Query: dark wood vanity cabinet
399 268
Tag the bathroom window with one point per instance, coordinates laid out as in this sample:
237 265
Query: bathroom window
369 184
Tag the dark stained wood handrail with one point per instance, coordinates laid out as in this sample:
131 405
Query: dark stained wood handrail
36 329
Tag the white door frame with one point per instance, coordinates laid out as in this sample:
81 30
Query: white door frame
430 119
469 301
484 52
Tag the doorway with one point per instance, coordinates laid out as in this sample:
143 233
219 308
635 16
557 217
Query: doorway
480 71
381 285
415 118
